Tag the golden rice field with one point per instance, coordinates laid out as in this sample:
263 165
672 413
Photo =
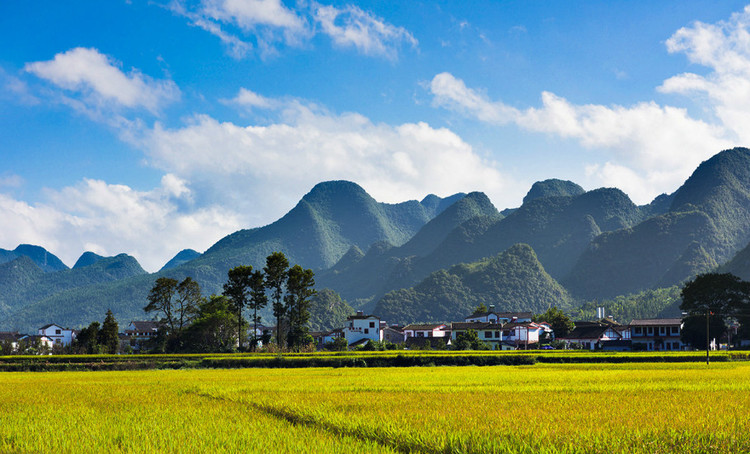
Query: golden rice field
547 408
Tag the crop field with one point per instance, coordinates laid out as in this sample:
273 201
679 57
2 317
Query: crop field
553 408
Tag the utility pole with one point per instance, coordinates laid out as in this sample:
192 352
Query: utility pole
708 311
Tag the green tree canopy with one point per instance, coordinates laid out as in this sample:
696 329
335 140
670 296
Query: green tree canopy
561 324
107 336
276 274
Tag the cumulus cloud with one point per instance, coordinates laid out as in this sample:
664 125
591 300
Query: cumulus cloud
248 99
649 149
109 219
278 163
370 35
101 82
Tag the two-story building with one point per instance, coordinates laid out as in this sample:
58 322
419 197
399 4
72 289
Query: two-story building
660 334
426 330
361 328
524 334
603 335
59 335
138 333
491 316
490 333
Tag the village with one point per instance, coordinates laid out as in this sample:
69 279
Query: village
489 329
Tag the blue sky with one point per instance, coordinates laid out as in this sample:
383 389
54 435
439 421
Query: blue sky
147 127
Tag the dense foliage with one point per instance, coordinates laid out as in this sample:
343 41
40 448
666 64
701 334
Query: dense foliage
513 280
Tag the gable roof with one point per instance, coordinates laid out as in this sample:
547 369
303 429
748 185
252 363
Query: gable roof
656 322
144 326
51 325
587 330
9 336
477 326
424 326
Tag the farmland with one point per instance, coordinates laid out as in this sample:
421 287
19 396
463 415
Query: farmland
634 407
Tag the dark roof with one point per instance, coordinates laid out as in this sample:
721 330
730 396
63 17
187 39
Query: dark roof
51 324
423 326
145 325
9 336
656 322
455 326
588 330
360 342
508 315
361 317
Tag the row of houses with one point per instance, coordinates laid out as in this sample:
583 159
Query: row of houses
513 330
499 330
53 335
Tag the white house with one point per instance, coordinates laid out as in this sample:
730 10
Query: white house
491 316
488 332
657 333
58 334
9 339
139 332
523 334
604 335
426 330
362 327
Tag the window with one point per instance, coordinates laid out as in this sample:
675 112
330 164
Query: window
487 334
650 331
372 324
662 330
367 331
675 330
57 331
638 330
497 334
420 334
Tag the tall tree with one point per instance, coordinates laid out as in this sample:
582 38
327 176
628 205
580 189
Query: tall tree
87 340
236 289
107 336
276 274
186 307
713 298
299 289
160 300
258 300
213 330
561 324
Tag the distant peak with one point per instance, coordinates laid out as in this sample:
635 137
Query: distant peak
553 188
86 259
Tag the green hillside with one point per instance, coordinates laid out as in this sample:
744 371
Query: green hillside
708 222
45 260
552 188
513 280
362 277
24 289
182 257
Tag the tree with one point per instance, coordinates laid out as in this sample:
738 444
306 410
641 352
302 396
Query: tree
561 324
481 309
87 340
258 300
276 275
188 298
236 289
160 300
299 290
469 340
107 336
214 328
715 297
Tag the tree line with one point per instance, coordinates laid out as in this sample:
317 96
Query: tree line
191 322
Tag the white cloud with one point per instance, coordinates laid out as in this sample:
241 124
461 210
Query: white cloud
278 163
101 82
250 100
369 34
11 181
661 145
723 47
269 22
109 219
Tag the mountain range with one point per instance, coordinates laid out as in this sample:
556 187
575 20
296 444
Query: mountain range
434 259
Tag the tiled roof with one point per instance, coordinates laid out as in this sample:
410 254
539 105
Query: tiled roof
9 336
455 326
423 326
143 326
656 322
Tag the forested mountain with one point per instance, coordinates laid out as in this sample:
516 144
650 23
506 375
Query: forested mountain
325 224
598 244
183 256
707 223
361 277
513 280
25 290
45 260
86 259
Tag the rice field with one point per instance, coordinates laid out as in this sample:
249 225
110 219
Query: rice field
545 408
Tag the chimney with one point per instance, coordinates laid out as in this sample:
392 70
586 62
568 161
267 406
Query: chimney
492 308
360 314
